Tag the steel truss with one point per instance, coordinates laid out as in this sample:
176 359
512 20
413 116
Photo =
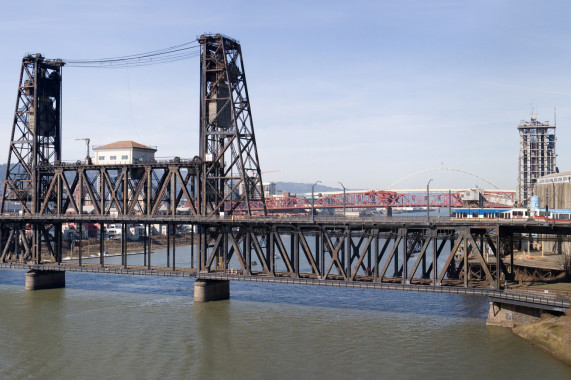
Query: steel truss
100 191
138 189
464 254
225 178
23 242
36 131
364 253
35 140
231 168
370 199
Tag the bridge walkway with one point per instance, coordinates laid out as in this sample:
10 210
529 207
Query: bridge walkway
545 301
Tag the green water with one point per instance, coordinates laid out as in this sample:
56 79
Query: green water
129 327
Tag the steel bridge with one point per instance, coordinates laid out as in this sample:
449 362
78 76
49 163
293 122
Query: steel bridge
219 193
386 199
380 253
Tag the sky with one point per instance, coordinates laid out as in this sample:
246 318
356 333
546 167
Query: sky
364 93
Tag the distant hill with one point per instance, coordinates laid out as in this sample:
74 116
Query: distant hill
295 187
291 187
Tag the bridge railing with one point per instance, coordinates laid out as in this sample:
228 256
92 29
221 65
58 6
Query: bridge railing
526 297
237 219
536 298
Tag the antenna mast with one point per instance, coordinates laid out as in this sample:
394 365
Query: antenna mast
88 157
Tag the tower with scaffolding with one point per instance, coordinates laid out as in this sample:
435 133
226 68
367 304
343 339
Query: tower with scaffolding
537 156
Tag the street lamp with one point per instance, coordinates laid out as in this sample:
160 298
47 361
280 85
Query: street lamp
344 199
428 201
313 200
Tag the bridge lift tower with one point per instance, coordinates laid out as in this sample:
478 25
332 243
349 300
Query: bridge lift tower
36 131
228 176
35 141
231 168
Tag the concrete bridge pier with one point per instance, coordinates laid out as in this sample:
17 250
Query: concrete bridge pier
510 315
211 290
44 279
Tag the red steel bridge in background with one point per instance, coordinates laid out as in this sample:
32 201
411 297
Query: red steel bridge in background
386 198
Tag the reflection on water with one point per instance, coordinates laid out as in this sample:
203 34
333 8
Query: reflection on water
135 327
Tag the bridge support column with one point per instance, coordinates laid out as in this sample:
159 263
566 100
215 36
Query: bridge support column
211 290
508 315
44 279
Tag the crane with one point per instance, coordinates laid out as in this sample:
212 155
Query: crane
87 158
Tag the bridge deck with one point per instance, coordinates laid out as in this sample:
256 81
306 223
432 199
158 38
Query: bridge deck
514 225
537 300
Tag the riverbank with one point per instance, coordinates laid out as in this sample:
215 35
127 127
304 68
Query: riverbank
550 333
113 247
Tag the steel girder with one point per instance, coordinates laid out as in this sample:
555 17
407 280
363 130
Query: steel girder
231 173
406 255
24 242
151 189
16 244
100 190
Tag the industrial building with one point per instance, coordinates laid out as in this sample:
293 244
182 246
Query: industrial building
269 189
537 156
123 152
554 191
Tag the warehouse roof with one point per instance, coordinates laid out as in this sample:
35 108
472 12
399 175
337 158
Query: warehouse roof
124 144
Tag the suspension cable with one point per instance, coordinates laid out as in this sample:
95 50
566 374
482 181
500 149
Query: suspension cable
170 54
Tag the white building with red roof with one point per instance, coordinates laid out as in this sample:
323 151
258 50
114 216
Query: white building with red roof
123 152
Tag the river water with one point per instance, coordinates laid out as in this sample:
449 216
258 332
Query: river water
135 327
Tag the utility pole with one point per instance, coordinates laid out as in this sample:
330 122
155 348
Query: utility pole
87 157
428 201
313 201
344 200
450 203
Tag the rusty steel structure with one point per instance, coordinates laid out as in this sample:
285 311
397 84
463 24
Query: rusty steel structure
219 194
36 131
35 140
356 252
379 251
231 172
137 189
375 199
224 175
